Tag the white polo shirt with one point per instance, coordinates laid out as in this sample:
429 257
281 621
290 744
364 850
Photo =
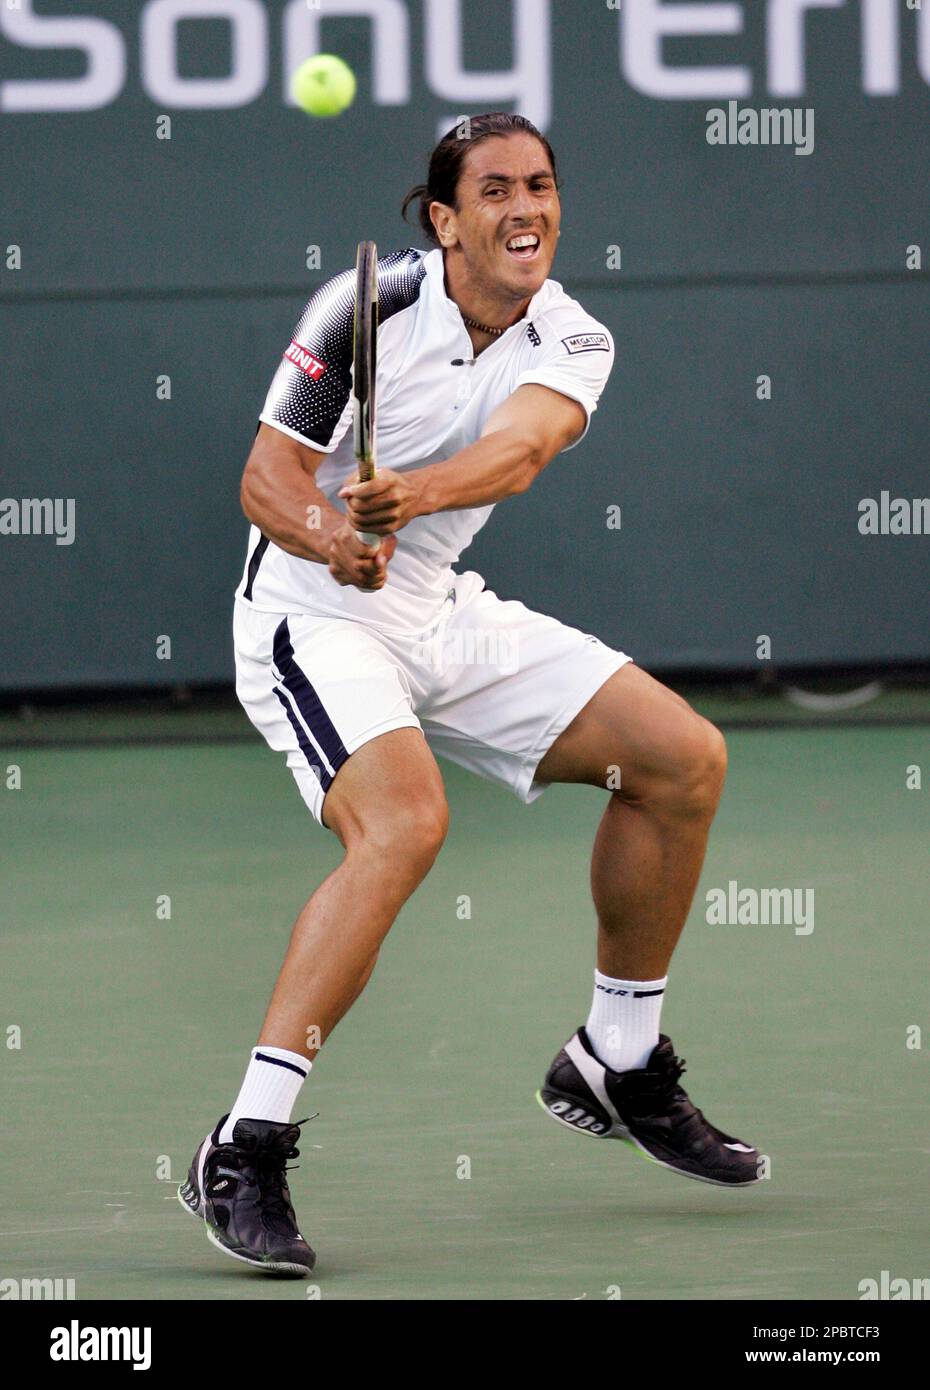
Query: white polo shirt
434 398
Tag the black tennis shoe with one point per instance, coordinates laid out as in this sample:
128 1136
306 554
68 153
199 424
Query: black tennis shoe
646 1108
240 1191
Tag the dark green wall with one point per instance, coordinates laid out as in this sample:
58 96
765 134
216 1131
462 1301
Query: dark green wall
186 257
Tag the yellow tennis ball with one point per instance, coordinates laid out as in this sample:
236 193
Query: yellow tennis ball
324 85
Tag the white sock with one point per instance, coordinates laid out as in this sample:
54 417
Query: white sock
269 1088
623 1024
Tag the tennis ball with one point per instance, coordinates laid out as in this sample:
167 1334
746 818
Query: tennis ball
324 85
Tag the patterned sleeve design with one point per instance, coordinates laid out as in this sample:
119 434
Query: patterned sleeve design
310 390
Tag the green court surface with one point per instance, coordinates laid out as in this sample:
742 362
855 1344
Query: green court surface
135 1031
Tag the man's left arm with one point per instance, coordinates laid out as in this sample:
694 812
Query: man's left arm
521 436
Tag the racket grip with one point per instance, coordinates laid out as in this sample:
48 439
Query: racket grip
369 538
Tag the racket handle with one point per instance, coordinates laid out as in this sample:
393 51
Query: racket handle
369 538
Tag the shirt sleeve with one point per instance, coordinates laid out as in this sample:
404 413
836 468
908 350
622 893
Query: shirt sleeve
577 365
309 395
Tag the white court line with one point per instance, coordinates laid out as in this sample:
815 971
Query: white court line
52 1230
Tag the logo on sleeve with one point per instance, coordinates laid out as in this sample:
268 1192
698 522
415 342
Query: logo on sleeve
588 342
305 360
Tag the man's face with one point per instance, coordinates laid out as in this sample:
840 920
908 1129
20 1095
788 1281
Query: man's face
506 190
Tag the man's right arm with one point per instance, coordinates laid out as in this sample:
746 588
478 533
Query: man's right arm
279 495
309 395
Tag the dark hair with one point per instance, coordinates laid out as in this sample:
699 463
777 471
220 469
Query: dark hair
445 164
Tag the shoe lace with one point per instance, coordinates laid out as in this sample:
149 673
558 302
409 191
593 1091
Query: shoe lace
271 1169
689 1119
271 1172
661 1089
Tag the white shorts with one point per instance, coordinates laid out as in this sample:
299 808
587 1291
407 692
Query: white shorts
491 685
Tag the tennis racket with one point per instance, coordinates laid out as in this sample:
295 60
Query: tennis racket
364 366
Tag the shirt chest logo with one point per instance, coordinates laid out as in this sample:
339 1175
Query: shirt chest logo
305 360
587 342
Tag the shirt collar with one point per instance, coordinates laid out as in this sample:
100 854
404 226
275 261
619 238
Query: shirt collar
434 265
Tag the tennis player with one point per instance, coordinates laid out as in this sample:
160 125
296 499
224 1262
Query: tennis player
362 663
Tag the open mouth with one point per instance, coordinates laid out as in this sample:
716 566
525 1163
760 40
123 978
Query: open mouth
524 247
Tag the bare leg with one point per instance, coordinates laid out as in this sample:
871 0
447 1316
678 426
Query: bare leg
651 841
636 849
387 806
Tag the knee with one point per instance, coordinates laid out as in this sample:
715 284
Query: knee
687 780
702 769
429 827
405 838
